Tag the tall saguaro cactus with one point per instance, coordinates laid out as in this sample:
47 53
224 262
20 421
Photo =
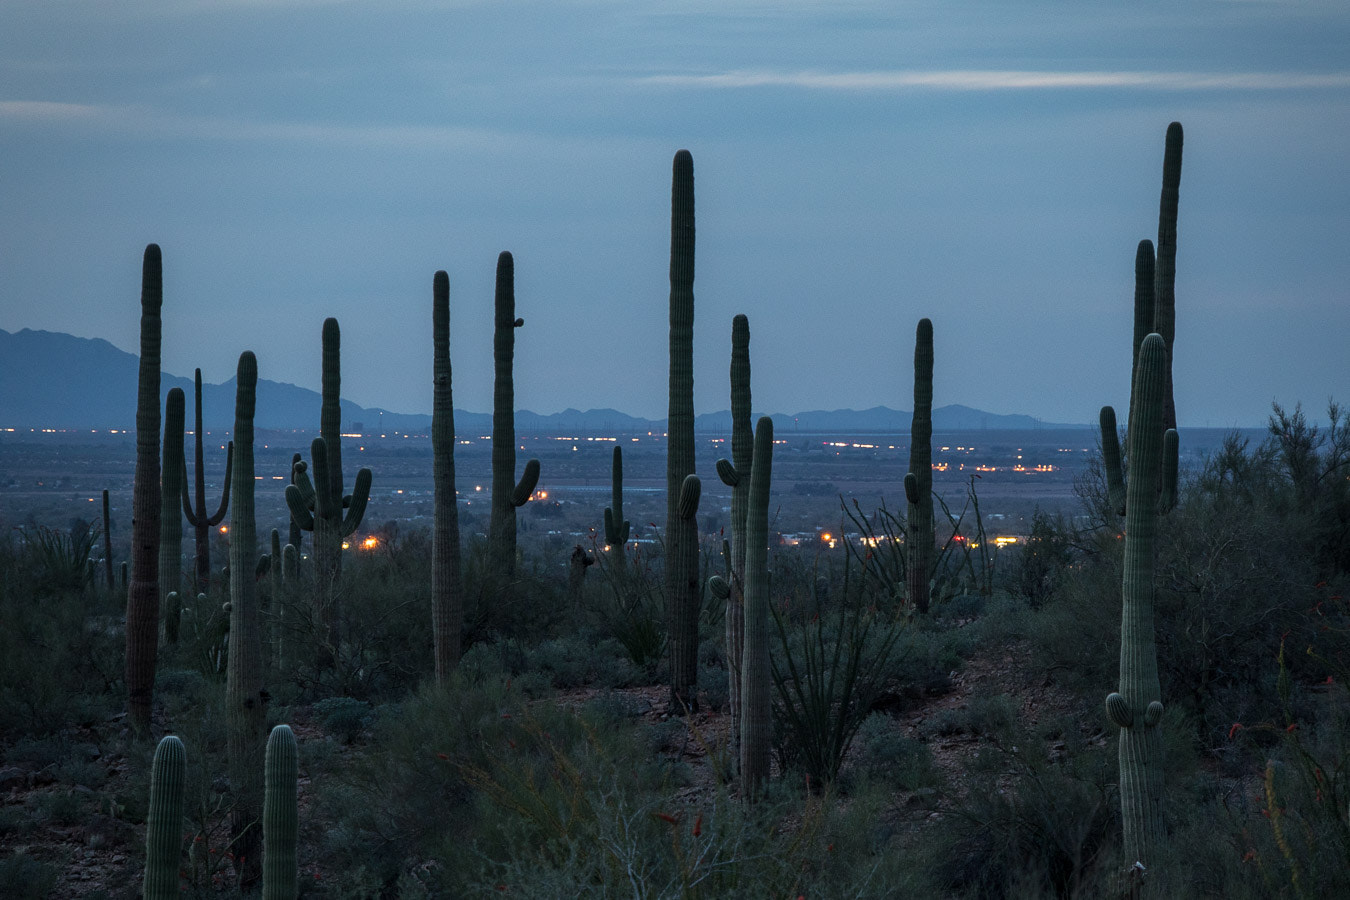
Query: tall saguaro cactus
195 507
617 528
756 672
682 485
164 824
736 475
281 816
507 493
319 506
919 529
1165 271
447 582
1136 708
107 539
170 523
245 698
143 589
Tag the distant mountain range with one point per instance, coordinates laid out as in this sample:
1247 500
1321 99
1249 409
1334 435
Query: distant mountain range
54 380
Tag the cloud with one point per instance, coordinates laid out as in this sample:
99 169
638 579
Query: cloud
1000 80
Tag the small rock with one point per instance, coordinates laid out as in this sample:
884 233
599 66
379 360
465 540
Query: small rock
12 777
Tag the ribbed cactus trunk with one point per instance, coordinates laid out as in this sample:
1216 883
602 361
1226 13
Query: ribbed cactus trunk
107 540
1137 708
1145 303
1165 272
682 588
507 493
195 507
736 475
296 535
143 589
281 816
447 582
245 698
164 823
617 528
320 506
757 674
919 528
172 477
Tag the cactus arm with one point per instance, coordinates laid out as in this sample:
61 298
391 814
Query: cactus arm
164 824
690 492
1115 476
521 493
719 587
1167 498
727 473
281 816
356 511
295 502
218 516
1144 308
1165 272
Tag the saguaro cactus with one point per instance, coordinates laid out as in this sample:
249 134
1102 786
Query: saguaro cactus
507 493
107 539
682 587
245 698
143 590
1137 707
195 507
736 475
297 466
164 824
170 523
290 581
319 506
617 528
281 816
919 528
756 673
447 583
1165 272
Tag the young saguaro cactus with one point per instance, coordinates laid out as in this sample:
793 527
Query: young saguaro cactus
164 823
195 507
682 485
1136 708
617 528
919 531
756 672
245 699
143 591
447 582
507 493
320 506
281 816
170 523
735 474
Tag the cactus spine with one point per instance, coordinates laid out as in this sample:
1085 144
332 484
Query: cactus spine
507 493
281 816
164 824
617 528
736 475
447 584
756 674
1137 708
919 536
195 507
143 591
245 699
170 523
1165 271
318 506
682 587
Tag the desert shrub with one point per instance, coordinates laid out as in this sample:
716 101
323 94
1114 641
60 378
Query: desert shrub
343 717
887 755
24 878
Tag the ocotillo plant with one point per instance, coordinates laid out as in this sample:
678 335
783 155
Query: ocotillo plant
172 474
617 528
736 475
756 672
164 823
195 507
1137 707
1165 271
245 698
318 506
143 591
281 816
919 527
447 581
107 539
682 587
507 493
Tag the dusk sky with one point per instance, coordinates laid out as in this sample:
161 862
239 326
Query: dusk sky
857 165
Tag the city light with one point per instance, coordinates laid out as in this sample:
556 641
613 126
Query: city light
370 543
